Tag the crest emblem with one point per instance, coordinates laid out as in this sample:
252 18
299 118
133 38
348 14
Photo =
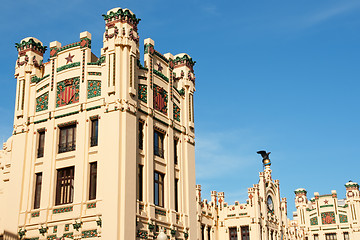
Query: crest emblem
160 99
67 92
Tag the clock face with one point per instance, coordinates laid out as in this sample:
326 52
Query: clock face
270 203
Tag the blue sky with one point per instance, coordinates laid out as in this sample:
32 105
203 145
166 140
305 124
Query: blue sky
276 75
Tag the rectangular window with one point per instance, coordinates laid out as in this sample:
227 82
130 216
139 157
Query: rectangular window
159 189
141 135
64 186
94 132
159 144
140 182
233 233
346 236
67 138
202 232
176 194
245 234
316 237
330 236
41 144
93 180
176 151
37 197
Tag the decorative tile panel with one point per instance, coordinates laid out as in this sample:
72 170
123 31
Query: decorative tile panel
89 234
51 237
94 73
67 227
91 205
42 88
62 210
160 99
142 234
42 102
314 221
67 92
35 214
328 218
176 113
68 235
67 66
94 88
343 218
142 93
160 212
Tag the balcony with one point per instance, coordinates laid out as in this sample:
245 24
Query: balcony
158 151
40 152
67 147
93 141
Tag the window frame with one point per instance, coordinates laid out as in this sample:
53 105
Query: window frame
245 232
159 189
37 190
141 134
70 139
176 190
233 233
94 132
41 144
92 180
176 155
140 182
64 186
159 143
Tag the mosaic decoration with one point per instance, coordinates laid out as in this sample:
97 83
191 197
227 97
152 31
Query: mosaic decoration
42 102
62 210
328 218
94 73
35 214
67 66
67 92
55 229
91 205
51 237
68 235
98 62
142 93
94 88
184 60
176 113
160 99
31 44
343 218
42 88
314 221
67 227
161 75
160 212
124 16
36 79
89 234
142 234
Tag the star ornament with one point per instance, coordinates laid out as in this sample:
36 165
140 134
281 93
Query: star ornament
69 58
326 201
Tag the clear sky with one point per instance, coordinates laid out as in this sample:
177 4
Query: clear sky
276 75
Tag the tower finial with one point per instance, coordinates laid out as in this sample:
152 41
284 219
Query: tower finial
265 155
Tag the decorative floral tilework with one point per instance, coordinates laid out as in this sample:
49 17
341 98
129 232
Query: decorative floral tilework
160 99
62 210
94 88
343 218
142 93
67 92
314 221
142 234
42 102
176 113
328 218
89 234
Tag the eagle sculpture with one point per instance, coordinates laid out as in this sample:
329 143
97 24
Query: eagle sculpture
264 154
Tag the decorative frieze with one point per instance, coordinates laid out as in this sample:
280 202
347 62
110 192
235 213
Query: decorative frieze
31 44
42 102
94 88
94 73
67 66
35 214
142 92
89 234
62 210
36 79
98 62
328 218
91 205
142 234
160 212
42 88
161 75
68 235
176 113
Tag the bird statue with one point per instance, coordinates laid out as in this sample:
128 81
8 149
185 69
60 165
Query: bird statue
265 155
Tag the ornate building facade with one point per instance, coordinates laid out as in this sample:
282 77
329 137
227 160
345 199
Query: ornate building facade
325 217
262 217
102 147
